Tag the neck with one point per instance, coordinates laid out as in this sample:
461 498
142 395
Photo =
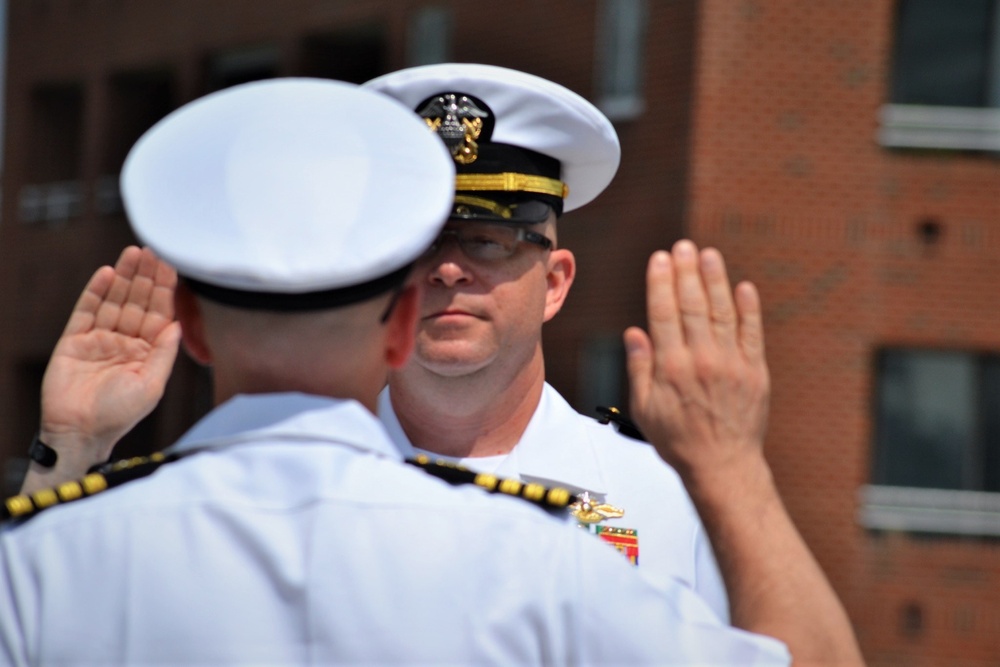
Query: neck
355 382
474 415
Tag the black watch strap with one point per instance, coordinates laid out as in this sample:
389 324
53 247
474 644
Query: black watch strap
41 453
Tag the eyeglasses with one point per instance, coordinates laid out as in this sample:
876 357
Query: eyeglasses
487 242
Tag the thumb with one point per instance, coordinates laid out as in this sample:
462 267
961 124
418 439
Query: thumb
164 352
639 360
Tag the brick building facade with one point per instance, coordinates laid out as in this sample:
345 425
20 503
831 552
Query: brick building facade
791 135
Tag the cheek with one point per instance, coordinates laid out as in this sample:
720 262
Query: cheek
521 303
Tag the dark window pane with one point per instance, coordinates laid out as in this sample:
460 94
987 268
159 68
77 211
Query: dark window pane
136 101
990 410
231 68
354 55
927 428
56 128
943 52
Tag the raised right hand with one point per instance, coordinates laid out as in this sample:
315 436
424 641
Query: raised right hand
110 367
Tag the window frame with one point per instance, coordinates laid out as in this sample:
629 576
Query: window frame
429 36
620 58
965 512
943 127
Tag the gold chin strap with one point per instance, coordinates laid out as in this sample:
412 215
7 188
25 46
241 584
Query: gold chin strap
511 182
499 210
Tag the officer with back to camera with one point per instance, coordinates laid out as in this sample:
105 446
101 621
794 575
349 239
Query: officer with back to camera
674 281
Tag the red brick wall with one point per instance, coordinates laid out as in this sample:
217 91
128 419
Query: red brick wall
758 137
788 180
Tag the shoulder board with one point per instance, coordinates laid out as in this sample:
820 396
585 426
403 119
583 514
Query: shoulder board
624 425
550 498
103 478
119 472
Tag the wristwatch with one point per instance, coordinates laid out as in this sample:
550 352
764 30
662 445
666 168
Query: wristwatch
41 453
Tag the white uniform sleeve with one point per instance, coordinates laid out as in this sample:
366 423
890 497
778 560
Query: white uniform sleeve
622 618
13 649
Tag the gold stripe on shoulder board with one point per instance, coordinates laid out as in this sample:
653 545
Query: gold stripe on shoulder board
555 498
108 476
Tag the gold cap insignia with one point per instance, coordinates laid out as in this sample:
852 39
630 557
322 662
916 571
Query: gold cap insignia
459 122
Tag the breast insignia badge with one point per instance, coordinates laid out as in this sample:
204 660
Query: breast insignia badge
590 514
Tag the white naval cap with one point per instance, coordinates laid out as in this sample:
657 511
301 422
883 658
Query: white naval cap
511 132
289 193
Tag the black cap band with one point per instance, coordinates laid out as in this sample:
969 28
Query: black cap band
496 158
284 302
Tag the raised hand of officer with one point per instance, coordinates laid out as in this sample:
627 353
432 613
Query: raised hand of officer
699 392
699 380
110 367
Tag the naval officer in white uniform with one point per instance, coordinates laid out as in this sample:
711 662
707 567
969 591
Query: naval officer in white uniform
526 151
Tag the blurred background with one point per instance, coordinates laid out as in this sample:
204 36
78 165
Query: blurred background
843 154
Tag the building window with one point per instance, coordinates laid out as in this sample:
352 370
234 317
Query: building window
621 36
936 464
53 193
945 87
136 101
428 38
242 65
355 54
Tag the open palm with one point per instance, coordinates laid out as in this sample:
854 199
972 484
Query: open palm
111 364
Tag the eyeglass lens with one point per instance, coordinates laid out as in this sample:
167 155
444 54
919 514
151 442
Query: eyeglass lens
487 242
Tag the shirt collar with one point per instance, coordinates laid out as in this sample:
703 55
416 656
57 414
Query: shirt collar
288 416
555 448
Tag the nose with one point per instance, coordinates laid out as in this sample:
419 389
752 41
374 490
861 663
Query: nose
448 266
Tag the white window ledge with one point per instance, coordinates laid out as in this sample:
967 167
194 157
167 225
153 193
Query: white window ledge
956 128
899 508
622 107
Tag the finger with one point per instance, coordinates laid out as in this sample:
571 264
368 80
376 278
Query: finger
661 303
751 335
166 276
722 311
82 317
109 309
161 302
137 302
691 299
128 261
639 362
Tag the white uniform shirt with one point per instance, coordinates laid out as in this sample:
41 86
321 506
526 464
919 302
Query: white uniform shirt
561 447
296 537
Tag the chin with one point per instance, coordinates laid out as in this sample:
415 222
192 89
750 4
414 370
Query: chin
451 360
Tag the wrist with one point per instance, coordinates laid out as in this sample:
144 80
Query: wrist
75 452
744 482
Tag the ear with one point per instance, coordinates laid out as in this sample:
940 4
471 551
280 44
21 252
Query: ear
189 314
401 327
561 269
